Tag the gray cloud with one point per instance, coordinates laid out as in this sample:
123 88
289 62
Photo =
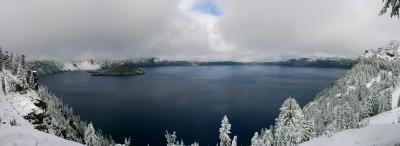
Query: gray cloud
246 30
308 27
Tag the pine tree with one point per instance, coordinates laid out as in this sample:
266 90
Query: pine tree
23 60
290 125
256 141
1 59
127 142
393 4
195 144
308 132
224 132
268 137
234 141
171 138
91 138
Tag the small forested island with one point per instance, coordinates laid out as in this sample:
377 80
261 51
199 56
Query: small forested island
119 70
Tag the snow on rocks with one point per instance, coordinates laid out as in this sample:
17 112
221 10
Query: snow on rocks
390 52
27 136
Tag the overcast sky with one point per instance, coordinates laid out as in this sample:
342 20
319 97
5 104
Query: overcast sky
240 30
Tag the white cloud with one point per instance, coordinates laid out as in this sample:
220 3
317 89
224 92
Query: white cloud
245 29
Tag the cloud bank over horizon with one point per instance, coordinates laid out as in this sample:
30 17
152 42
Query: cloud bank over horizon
236 30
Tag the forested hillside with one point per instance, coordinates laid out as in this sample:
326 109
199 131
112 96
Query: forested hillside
24 103
371 87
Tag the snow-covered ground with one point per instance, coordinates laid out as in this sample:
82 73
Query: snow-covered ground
13 107
382 130
389 117
27 136
374 135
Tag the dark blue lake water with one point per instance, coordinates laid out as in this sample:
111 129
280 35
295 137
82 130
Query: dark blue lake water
189 100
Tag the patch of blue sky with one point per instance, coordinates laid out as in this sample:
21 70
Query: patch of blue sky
208 7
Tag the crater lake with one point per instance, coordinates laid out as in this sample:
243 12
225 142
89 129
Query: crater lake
189 100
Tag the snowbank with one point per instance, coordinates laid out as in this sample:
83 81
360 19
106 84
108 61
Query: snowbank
26 136
374 135
382 130
389 117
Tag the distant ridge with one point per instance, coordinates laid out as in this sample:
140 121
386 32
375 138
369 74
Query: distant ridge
44 67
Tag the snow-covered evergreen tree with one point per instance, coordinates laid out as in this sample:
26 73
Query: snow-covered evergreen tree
290 125
234 141
172 139
308 132
195 144
127 142
256 141
224 132
265 138
393 4
91 138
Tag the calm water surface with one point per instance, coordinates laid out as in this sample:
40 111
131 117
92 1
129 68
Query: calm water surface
189 100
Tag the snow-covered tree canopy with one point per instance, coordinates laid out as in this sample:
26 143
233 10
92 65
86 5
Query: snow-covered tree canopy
90 136
291 125
394 5
224 132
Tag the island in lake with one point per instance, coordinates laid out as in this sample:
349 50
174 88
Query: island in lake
119 70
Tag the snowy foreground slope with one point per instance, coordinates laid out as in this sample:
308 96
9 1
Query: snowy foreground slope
27 136
12 109
382 130
374 135
15 130
31 115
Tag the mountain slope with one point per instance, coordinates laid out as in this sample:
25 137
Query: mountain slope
369 88
25 105
368 94
317 62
